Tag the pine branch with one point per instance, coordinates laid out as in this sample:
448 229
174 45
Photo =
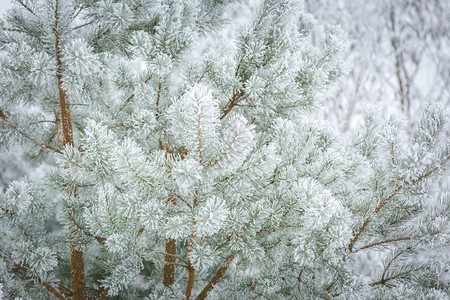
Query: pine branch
104 294
78 277
133 170
168 254
234 100
199 136
44 283
99 239
12 30
169 262
392 154
27 136
247 226
300 150
391 261
367 221
382 281
26 7
275 78
158 97
185 202
82 25
191 280
427 174
77 12
229 237
383 242
329 287
66 118
215 279
171 245
238 172
108 210
226 152
161 262
131 97
383 203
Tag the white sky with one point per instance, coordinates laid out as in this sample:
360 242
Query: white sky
4 4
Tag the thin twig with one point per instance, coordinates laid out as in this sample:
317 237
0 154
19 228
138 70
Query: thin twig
82 25
384 242
12 30
78 12
367 221
132 96
26 7
237 96
383 203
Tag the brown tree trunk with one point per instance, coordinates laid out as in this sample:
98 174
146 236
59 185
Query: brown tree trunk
191 280
76 256
169 262
78 277
171 251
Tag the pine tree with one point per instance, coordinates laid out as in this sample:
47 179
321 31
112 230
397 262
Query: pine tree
204 175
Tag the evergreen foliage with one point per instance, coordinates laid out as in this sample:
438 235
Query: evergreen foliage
207 177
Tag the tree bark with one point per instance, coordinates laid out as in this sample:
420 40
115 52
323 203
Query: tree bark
191 270
78 277
76 256
171 251
191 280
169 262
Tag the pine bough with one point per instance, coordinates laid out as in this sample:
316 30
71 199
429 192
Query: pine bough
205 174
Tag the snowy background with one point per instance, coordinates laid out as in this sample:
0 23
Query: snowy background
4 5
